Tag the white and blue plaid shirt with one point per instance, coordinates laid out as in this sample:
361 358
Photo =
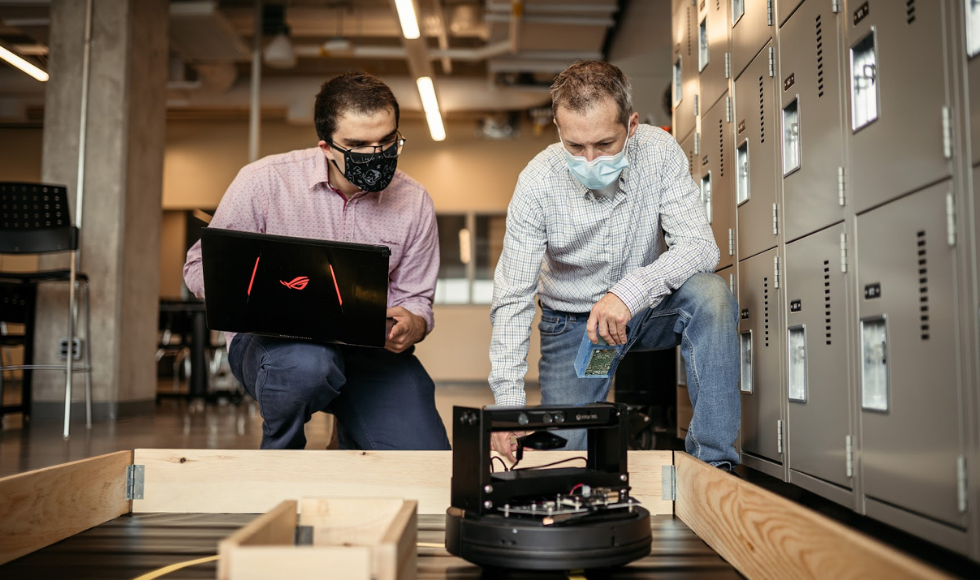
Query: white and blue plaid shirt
572 246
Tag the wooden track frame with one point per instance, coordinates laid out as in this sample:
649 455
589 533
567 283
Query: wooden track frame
760 533
353 539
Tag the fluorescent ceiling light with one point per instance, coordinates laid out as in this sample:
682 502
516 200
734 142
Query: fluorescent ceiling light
23 65
427 92
406 15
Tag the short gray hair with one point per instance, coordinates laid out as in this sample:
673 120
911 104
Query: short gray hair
586 83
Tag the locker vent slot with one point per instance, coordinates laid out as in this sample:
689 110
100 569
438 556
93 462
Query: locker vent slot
923 285
690 162
717 4
910 11
678 82
706 195
765 296
721 148
864 82
819 57
742 173
703 44
745 364
690 30
762 113
826 298
874 364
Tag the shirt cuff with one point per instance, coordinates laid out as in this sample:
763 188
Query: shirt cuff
517 398
631 294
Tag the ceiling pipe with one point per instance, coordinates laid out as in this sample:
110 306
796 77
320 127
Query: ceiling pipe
442 34
555 8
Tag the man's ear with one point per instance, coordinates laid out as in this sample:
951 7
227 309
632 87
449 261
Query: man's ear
634 123
324 146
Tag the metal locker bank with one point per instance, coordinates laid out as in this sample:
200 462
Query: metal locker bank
714 57
817 374
756 139
812 126
760 348
752 24
717 177
911 410
685 70
900 139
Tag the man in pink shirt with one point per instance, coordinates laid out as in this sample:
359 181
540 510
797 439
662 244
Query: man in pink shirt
346 189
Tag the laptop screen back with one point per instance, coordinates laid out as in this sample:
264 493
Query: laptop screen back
295 287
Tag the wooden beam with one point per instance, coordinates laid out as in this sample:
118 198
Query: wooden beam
768 536
41 507
254 481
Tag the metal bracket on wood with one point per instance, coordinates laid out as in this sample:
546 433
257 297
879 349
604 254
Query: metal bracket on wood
669 481
134 481
304 536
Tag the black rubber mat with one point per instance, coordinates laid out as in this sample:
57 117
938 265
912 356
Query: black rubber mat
130 546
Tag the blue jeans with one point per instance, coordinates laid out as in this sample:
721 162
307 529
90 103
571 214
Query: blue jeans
382 400
702 317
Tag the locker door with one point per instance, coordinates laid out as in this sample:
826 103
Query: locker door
716 180
675 4
751 30
693 161
713 46
910 405
897 99
685 70
812 128
785 8
817 371
759 345
756 138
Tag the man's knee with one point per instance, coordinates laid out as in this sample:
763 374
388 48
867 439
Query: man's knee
713 297
299 373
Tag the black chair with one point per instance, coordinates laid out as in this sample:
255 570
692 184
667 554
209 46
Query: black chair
34 219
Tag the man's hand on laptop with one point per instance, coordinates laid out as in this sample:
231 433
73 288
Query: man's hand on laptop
407 330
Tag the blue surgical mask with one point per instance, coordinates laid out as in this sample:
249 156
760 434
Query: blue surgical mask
599 172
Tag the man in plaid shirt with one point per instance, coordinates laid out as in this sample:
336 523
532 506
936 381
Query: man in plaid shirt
586 231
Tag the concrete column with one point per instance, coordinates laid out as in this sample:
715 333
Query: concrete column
120 230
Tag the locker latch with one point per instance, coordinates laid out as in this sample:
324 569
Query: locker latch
849 456
841 199
947 134
697 138
950 220
779 436
728 109
731 242
775 271
772 62
775 219
843 252
728 65
769 13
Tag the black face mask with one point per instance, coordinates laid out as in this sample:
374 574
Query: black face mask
375 174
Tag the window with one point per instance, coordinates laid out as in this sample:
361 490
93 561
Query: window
972 27
797 364
703 45
470 245
738 9
706 195
742 174
874 364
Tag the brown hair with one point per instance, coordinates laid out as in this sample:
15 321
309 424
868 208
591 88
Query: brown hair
586 83
354 91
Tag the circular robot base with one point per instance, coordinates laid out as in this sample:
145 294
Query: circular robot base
502 542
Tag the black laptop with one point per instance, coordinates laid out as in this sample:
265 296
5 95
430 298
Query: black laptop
297 288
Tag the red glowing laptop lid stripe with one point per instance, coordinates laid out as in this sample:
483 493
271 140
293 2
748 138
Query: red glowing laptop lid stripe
254 270
337 288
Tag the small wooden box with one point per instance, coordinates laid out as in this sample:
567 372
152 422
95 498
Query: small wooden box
353 539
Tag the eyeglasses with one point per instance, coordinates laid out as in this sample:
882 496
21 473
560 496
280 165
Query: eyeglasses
365 153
